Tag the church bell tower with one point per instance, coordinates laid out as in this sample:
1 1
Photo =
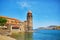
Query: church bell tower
29 21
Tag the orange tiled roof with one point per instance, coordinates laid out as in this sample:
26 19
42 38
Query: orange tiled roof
17 21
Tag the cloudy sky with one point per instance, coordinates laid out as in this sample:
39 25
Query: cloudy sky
45 12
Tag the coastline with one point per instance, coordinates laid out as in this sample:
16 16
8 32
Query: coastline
3 37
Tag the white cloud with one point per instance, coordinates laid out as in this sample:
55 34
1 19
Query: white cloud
24 4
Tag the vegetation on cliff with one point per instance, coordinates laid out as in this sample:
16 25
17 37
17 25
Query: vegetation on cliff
3 21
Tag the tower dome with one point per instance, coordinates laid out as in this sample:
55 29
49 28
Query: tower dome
29 11
29 14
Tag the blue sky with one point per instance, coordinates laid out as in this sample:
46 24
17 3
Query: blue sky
45 12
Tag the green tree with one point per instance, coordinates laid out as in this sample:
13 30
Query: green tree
3 21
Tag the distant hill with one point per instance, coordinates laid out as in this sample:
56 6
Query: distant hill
51 27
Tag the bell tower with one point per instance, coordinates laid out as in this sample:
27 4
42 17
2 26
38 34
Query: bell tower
29 20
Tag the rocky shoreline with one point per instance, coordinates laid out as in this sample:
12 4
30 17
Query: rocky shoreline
3 37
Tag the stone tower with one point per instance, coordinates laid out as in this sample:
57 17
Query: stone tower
29 20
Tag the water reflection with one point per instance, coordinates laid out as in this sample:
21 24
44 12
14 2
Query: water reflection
22 36
28 36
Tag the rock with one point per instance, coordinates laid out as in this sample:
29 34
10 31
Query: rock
2 37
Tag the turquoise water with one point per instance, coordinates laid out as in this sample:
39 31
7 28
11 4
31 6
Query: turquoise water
39 35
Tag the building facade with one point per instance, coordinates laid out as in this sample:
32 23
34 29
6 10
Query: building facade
17 24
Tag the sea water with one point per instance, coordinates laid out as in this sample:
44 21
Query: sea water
39 35
46 35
